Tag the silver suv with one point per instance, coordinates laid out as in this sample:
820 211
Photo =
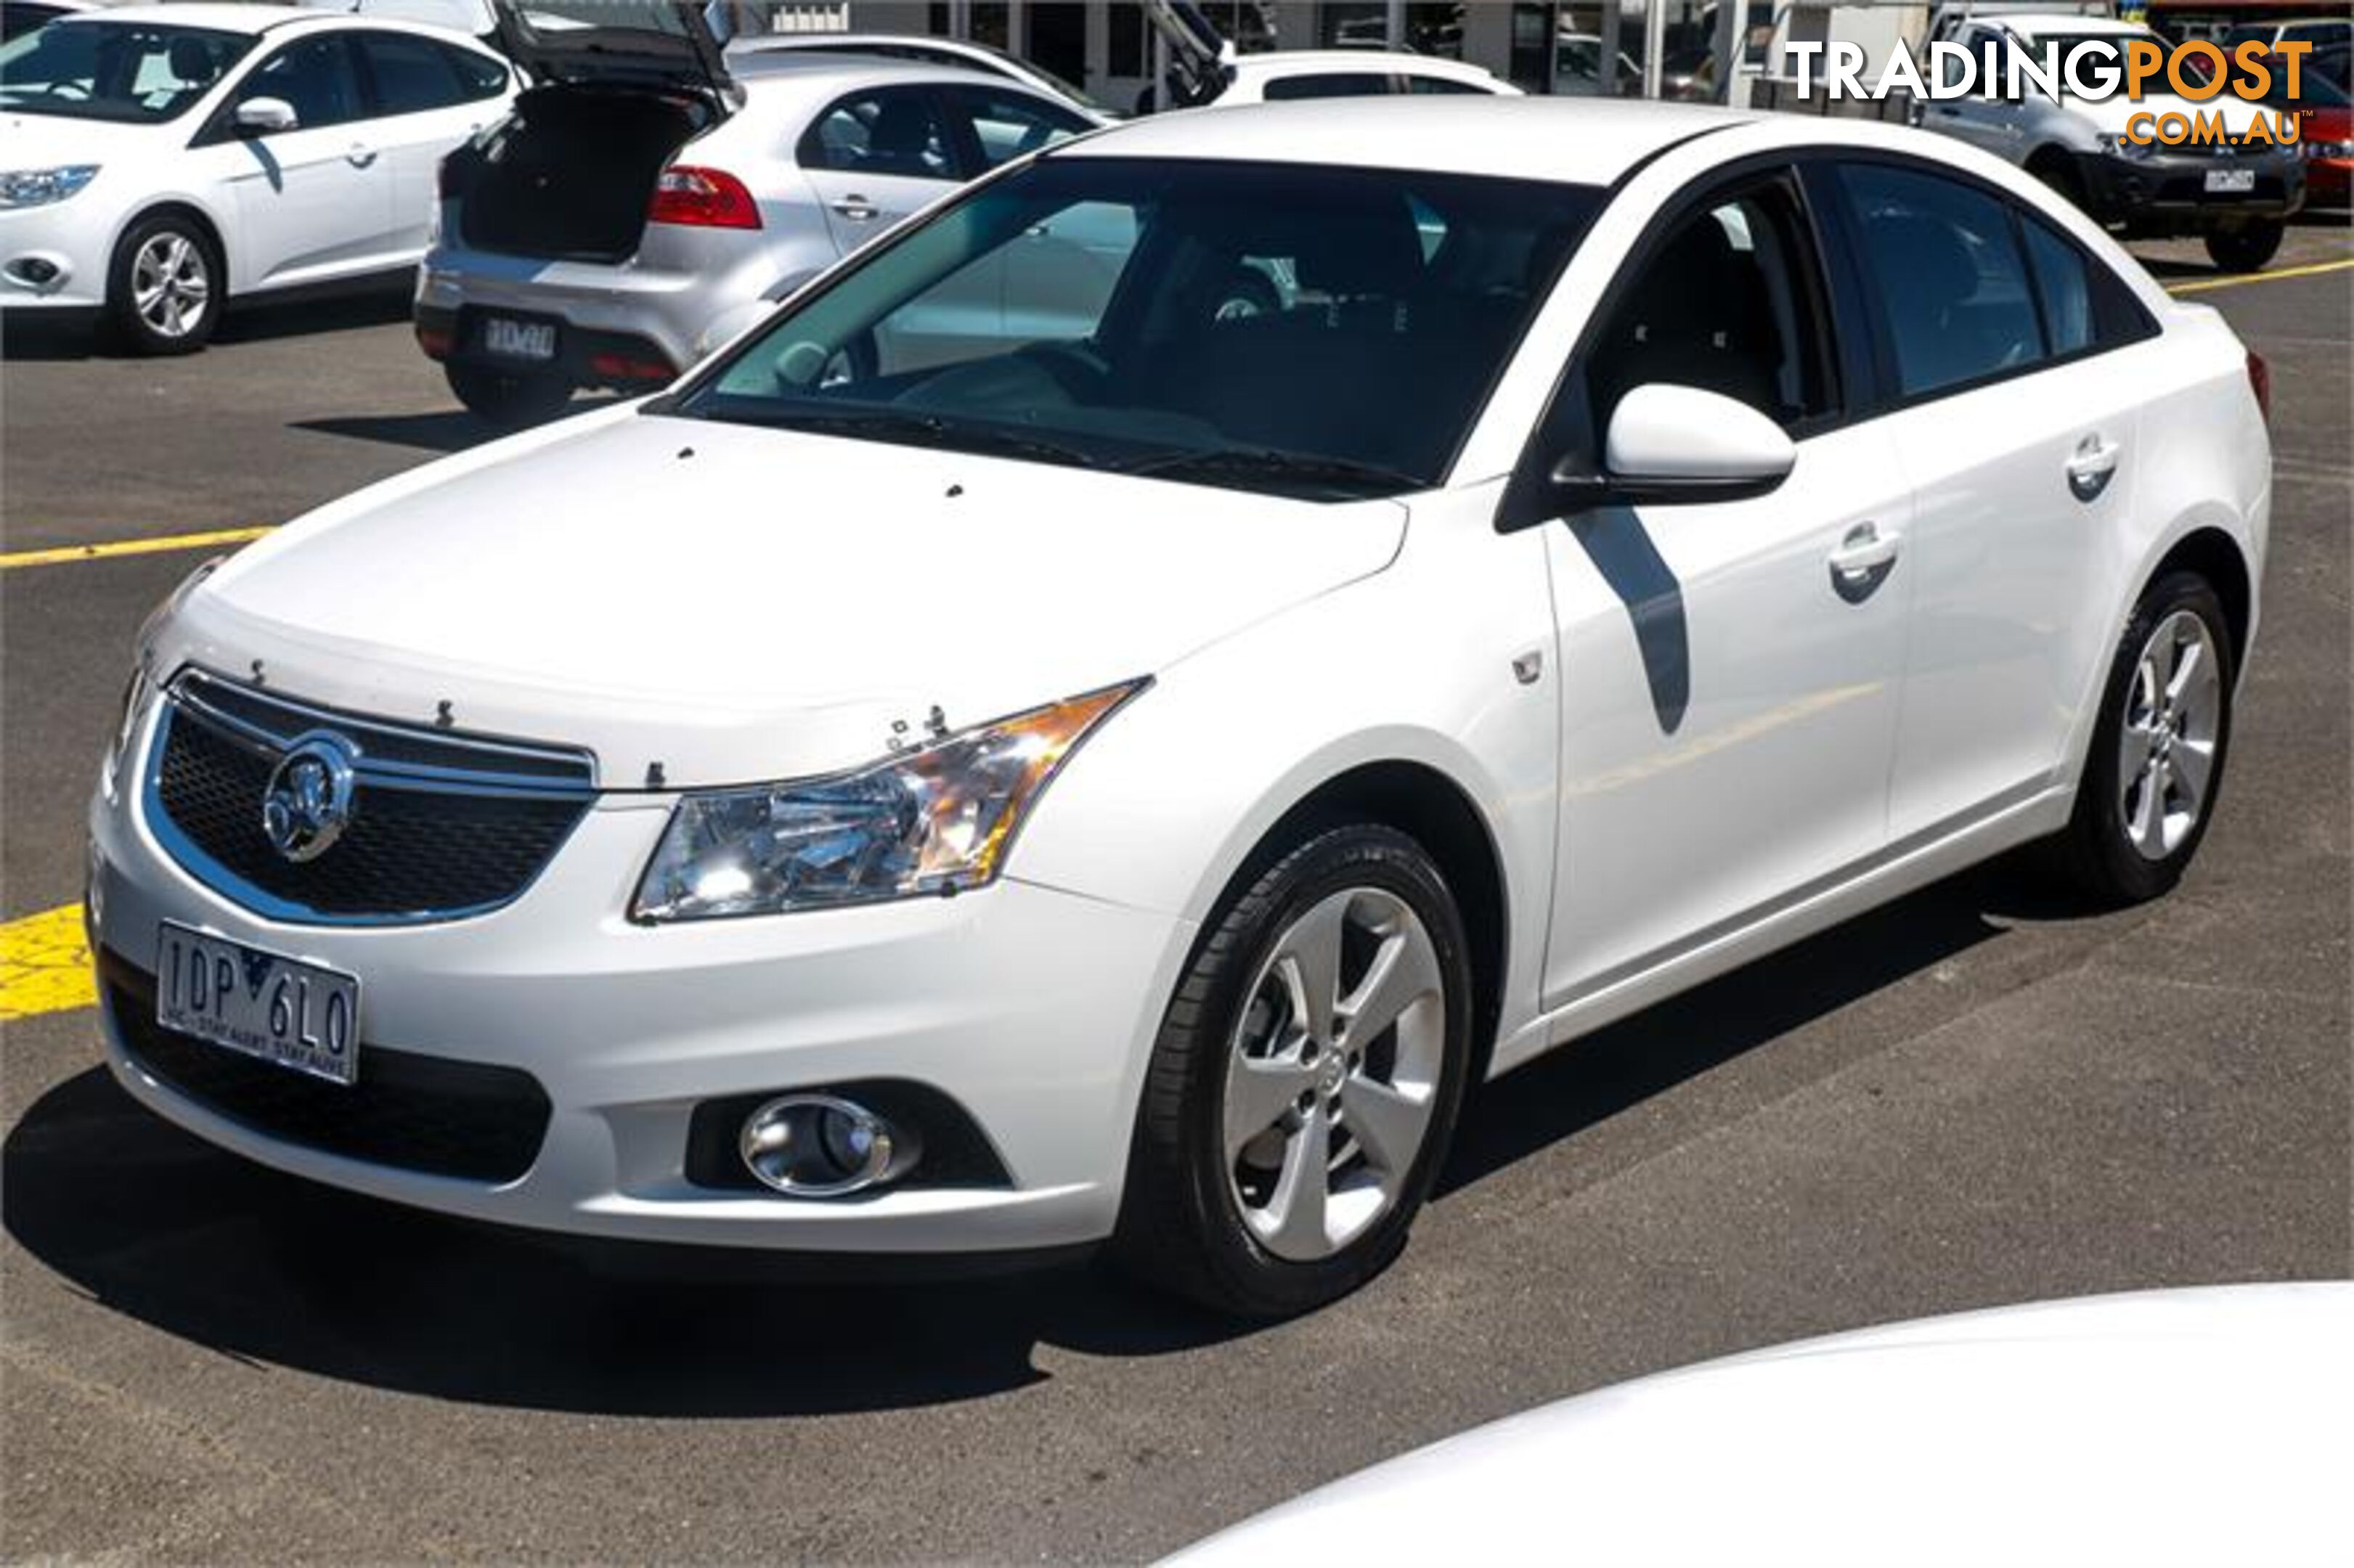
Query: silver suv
647 198
2239 198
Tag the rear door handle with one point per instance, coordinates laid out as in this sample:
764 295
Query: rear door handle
1861 563
360 155
2092 466
856 208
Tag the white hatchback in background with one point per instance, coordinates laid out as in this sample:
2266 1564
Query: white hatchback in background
648 198
163 160
1121 772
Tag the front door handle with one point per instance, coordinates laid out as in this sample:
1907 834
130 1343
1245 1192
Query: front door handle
360 155
856 208
2092 466
1861 563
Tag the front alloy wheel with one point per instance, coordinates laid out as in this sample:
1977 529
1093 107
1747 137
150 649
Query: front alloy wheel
164 294
1305 1080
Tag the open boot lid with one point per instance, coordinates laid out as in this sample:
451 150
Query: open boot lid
662 46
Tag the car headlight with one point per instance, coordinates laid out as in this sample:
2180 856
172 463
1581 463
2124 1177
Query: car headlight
935 819
39 187
2127 147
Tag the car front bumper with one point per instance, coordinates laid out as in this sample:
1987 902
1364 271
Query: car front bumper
2166 191
1028 1009
53 258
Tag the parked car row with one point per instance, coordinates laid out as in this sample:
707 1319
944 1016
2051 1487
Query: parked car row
2236 195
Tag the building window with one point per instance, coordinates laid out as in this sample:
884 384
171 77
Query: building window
1435 30
1126 53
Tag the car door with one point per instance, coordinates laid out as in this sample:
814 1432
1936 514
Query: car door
1730 669
874 155
1984 117
314 201
427 97
2016 424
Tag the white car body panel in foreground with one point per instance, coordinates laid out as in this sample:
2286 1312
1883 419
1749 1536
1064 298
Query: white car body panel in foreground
2173 1427
1251 76
702 595
310 206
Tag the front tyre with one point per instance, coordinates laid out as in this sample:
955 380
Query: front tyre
2246 249
2156 761
510 399
1305 1081
165 286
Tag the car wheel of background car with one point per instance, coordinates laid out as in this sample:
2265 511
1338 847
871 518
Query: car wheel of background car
1246 294
2056 169
1305 1082
2245 250
2157 759
508 399
165 287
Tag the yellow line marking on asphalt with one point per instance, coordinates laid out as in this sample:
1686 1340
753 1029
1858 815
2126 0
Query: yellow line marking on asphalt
2313 270
63 552
44 964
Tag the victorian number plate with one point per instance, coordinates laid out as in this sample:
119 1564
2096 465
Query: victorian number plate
2231 182
282 1010
519 340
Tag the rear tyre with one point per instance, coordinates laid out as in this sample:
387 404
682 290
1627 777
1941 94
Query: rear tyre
2246 249
1305 1082
508 399
165 286
2157 761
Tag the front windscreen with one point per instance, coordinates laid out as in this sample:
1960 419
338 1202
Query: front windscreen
1311 331
96 69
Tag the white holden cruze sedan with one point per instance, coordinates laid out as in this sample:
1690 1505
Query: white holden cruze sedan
893 794
160 160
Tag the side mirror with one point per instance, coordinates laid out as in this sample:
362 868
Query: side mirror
264 117
1670 444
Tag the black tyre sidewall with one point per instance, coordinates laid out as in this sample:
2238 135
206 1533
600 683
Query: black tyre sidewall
2246 249
1230 1270
510 399
123 322
2105 862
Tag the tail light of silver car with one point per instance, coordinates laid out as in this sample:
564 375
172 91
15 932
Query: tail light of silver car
703 198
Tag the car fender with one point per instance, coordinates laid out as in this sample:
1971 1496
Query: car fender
1176 794
222 223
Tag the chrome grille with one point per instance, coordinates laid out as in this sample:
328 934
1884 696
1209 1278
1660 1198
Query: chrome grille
442 824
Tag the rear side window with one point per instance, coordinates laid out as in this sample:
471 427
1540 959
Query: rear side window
411 75
1331 84
1954 289
478 76
1443 84
2064 287
894 131
1006 125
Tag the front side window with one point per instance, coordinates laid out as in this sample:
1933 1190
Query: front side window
1328 84
411 75
1946 264
141 73
1728 303
1006 125
315 77
892 131
1313 332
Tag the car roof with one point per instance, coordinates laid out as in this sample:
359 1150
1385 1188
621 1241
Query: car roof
775 73
2028 24
1286 61
232 16
1572 140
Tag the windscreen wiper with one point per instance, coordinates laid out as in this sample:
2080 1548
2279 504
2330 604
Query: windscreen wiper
916 429
1271 463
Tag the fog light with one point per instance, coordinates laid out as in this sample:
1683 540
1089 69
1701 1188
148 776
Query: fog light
820 1146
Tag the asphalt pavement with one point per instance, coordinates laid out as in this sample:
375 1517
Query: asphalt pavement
1979 1095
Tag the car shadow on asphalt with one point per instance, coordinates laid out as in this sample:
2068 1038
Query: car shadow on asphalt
348 307
158 1224
450 430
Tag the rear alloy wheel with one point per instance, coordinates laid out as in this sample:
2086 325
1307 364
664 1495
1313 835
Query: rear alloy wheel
2156 761
1305 1082
508 399
165 290
2246 249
